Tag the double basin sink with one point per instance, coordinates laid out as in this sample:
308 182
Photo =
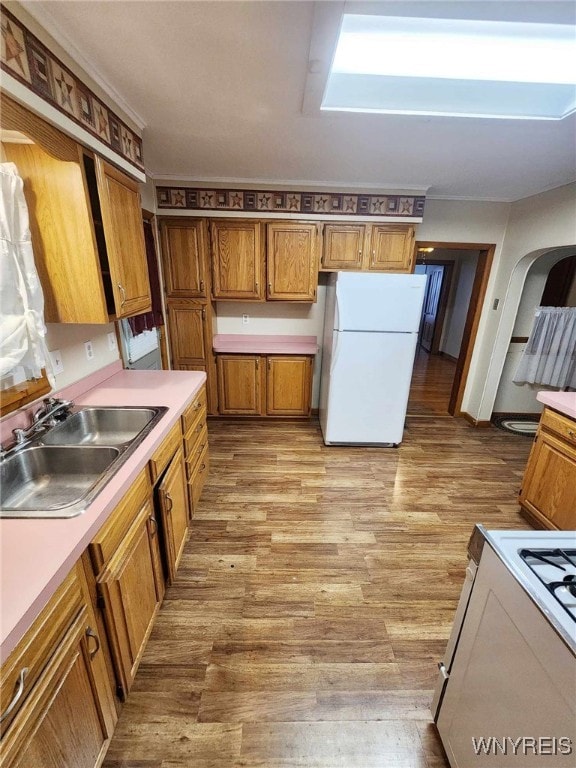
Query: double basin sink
62 470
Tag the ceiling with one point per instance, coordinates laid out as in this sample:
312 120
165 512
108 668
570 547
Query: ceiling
220 89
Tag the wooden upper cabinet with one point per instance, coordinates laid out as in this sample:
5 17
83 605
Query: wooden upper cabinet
292 251
288 385
240 384
391 248
343 246
237 249
184 257
85 222
124 235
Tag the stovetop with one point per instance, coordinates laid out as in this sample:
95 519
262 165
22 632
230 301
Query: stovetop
556 569
544 563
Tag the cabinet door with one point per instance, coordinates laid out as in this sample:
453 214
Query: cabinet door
124 233
237 260
184 258
288 385
174 510
63 722
132 589
239 385
343 246
189 337
292 251
392 248
549 485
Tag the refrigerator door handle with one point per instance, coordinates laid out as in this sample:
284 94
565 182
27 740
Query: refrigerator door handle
337 308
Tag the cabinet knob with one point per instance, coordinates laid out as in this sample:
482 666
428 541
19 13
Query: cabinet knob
123 296
201 285
91 634
17 694
153 522
572 434
203 313
169 498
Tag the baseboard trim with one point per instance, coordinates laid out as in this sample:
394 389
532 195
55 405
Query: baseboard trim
475 422
449 357
535 415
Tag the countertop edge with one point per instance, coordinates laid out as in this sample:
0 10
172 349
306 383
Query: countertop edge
563 402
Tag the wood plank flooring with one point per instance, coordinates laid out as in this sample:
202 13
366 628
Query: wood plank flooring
431 386
314 599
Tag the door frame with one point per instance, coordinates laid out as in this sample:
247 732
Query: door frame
483 267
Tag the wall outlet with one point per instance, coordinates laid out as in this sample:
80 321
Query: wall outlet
112 344
89 348
245 319
57 364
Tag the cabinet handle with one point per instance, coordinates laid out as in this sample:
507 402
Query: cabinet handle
572 434
123 292
198 405
270 287
17 695
203 313
257 363
256 284
201 285
90 633
202 468
169 498
153 522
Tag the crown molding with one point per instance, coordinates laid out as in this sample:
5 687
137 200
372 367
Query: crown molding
283 184
40 14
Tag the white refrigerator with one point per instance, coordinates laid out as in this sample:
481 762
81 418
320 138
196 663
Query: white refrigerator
370 335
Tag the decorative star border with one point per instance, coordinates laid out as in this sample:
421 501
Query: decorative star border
29 61
321 203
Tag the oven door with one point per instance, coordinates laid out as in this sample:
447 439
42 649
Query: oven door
445 665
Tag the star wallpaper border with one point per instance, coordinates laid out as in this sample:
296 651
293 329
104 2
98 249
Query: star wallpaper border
275 201
30 62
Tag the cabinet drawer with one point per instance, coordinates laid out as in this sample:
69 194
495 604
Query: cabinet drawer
191 413
192 437
199 447
164 453
198 477
109 537
25 664
560 425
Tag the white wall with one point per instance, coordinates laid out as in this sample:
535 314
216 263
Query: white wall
69 339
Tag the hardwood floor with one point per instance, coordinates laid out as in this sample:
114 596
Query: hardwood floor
315 598
431 386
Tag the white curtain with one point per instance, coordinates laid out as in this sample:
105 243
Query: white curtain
23 351
550 354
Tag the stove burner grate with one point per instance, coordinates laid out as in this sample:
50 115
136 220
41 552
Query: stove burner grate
563 560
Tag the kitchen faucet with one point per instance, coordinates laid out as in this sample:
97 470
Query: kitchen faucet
48 415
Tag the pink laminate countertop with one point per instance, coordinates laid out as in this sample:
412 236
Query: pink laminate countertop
265 345
565 402
37 554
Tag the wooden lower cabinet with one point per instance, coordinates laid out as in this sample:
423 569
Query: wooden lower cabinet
239 385
264 385
288 385
172 499
66 713
548 494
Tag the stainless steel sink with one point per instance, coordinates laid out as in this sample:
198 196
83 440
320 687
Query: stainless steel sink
61 471
51 478
100 426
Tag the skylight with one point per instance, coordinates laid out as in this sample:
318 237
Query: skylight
453 67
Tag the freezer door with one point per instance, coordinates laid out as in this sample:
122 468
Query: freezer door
370 377
378 302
